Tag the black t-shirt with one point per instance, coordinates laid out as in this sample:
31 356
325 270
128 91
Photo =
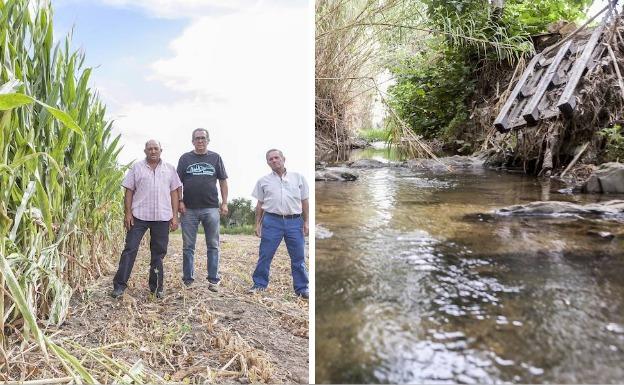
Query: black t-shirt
199 174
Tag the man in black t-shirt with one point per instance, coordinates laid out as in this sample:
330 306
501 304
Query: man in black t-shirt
199 171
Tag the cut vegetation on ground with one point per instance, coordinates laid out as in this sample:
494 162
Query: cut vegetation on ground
192 335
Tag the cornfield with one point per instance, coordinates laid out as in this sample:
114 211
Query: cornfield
60 201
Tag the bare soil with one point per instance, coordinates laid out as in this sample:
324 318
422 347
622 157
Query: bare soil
192 335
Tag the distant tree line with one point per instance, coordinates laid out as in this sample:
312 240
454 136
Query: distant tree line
240 213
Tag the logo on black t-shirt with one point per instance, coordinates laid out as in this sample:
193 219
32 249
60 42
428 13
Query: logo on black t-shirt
200 169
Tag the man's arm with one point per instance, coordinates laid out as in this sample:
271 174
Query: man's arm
175 200
223 186
305 205
181 205
129 219
259 213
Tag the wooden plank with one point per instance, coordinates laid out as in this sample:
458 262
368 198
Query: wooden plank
529 87
531 112
567 101
561 77
501 122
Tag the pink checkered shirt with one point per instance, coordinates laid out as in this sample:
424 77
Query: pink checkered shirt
152 190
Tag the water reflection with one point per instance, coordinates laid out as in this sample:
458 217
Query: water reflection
413 287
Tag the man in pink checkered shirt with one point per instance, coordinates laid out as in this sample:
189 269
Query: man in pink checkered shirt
151 200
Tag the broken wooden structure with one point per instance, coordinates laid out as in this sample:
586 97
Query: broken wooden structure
548 87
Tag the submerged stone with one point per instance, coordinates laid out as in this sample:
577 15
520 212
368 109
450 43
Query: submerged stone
558 208
368 163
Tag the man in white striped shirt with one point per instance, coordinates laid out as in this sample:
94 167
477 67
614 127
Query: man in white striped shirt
151 199
282 212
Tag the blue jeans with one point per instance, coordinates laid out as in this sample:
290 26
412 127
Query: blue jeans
273 230
189 222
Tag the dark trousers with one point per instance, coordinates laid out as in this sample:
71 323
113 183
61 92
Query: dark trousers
159 234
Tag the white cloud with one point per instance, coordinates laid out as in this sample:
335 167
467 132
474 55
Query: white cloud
246 77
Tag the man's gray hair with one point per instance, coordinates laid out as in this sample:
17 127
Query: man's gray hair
271 150
153 140
200 129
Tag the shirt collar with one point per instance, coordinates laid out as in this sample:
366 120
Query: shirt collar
147 164
277 175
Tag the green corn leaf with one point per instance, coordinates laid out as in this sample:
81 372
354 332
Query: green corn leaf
63 117
14 100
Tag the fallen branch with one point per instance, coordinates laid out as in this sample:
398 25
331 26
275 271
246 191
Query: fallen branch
576 158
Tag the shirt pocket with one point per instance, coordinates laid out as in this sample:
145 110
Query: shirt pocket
292 190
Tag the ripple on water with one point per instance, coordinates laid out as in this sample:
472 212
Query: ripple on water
434 298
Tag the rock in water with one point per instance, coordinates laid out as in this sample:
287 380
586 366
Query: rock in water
368 163
607 179
614 208
335 174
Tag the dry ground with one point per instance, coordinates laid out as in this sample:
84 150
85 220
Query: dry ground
192 334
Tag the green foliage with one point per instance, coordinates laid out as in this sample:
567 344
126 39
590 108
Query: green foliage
236 230
431 90
240 212
614 143
60 201
534 16
434 85
375 135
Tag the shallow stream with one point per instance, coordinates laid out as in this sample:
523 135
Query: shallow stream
414 287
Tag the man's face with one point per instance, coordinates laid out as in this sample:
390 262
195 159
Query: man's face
200 141
152 151
275 161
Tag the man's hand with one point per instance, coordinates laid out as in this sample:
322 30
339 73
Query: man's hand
224 209
181 207
259 231
129 221
306 228
173 223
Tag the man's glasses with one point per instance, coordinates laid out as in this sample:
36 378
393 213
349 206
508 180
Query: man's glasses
198 138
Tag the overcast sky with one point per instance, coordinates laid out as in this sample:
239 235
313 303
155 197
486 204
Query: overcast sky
241 69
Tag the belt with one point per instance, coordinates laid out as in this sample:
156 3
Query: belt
291 216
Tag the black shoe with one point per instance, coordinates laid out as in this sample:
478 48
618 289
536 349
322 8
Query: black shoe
158 294
304 294
117 293
188 283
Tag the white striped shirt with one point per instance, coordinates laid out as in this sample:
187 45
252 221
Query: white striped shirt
281 195
152 190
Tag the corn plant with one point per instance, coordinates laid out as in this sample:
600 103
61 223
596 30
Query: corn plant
60 202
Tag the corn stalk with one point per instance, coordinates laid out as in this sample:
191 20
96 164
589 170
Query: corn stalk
60 200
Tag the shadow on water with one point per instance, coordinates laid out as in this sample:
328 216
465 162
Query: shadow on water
415 287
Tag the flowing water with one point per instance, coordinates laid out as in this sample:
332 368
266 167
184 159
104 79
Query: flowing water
415 287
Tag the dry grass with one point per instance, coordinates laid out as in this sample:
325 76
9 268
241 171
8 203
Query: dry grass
192 335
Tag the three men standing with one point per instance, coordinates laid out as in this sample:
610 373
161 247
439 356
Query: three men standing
150 202
153 196
282 212
199 171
